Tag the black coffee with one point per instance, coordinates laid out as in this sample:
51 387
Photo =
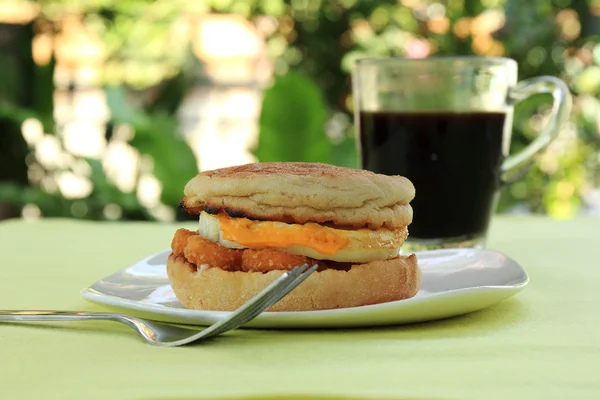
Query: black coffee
452 159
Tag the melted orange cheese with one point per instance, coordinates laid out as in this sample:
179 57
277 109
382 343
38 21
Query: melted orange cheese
277 234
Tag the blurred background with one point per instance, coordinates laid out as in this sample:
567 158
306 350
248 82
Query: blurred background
108 107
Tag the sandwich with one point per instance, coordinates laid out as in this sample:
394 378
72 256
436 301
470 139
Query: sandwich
257 221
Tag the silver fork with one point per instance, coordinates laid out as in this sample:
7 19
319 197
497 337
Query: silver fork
162 334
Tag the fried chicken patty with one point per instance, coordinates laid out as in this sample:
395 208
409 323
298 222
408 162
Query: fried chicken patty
199 251
204 252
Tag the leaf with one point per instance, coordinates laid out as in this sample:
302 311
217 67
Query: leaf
10 192
105 192
17 114
292 122
174 161
17 195
345 154
121 111
170 94
156 135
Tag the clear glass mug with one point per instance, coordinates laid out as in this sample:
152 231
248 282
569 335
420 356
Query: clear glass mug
445 123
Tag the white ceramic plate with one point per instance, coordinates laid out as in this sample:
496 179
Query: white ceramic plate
455 282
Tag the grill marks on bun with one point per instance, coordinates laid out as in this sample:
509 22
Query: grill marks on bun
303 192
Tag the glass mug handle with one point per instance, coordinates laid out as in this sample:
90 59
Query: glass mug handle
516 165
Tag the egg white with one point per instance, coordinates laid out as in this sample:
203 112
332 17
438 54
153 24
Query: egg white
364 245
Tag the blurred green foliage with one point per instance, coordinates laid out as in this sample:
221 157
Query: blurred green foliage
559 38
292 125
156 136
307 110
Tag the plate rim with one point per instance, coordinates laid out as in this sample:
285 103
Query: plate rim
92 295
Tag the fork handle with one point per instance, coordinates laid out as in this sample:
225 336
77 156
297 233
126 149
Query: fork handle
45 315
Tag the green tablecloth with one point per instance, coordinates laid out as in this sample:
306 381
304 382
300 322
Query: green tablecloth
542 344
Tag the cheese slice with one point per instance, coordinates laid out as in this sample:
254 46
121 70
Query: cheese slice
311 239
278 234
